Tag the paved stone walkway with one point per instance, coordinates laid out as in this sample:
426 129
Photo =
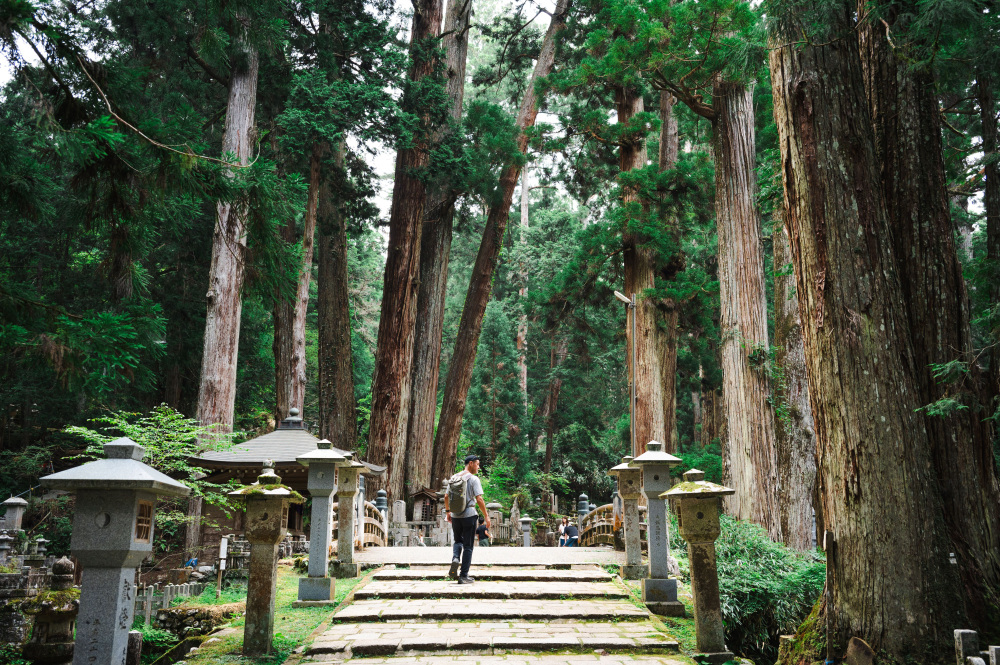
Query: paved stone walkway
510 616
493 556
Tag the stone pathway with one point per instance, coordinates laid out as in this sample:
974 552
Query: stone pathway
510 615
493 556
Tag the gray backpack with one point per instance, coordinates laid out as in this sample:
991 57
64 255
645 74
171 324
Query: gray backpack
458 486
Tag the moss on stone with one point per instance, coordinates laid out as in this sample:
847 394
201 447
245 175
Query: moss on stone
257 490
50 599
809 642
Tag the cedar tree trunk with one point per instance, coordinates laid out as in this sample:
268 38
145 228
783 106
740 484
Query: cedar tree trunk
463 359
557 356
435 248
888 575
991 200
217 392
337 417
390 410
905 114
749 450
796 440
667 337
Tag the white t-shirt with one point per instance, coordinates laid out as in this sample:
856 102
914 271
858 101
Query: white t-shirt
474 489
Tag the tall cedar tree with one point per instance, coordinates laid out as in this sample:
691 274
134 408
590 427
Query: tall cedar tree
463 358
435 249
394 353
905 114
875 464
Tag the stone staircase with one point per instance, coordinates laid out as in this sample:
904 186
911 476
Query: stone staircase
528 614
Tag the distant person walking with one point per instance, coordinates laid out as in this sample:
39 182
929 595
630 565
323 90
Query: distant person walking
483 533
465 490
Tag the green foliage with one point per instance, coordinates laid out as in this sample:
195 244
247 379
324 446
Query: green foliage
707 459
10 654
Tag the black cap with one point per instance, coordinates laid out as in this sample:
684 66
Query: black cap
471 458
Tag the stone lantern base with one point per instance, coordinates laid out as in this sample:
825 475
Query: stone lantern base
660 596
316 588
636 572
717 658
343 571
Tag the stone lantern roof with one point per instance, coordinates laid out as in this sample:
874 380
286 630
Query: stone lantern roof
269 484
14 501
656 455
121 470
284 446
324 453
626 465
695 486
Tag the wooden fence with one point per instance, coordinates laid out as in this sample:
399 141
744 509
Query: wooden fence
151 598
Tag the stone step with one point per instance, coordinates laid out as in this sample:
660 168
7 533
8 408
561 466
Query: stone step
488 590
536 659
345 641
371 611
492 573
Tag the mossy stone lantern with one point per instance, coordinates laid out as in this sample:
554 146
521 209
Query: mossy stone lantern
266 522
322 464
698 521
630 490
112 534
659 590
347 490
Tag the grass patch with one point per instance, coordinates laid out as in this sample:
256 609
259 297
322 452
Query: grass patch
292 626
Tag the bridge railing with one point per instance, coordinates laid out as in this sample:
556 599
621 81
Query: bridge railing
598 527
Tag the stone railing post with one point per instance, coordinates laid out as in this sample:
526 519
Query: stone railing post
630 490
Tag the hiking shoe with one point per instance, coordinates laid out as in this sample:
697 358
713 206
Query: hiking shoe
453 572
465 580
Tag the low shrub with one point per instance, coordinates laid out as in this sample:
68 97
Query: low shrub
155 641
766 589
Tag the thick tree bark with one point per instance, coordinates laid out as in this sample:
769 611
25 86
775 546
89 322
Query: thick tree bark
394 351
557 356
435 249
522 322
640 270
905 115
888 574
796 440
667 337
282 318
463 358
991 200
337 417
217 391
749 449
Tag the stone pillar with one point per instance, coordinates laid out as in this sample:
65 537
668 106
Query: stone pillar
399 512
659 590
15 506
526 530
5 543
52 634
266 517
629 490
698 520
347 489
322 464
382 503
582 505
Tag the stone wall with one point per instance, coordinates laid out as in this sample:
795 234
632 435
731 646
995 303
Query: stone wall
187 621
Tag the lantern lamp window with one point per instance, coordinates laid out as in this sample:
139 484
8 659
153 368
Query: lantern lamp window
144 522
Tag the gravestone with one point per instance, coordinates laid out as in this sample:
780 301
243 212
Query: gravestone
398 512
659 590
582 505
347 487
630 490
266 518
112 533
698 520
526 529
322 464
55 618
11 520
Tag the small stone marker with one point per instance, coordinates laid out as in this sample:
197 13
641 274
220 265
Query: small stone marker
630 489
398 512
526 530
322 464
347 488
698 521
11 521
966 645
266 519
112 532
659 590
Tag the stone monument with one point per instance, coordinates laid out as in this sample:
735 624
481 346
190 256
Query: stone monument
55 618
347 488
582 506
659 590
266 520
322 464
11 520
112 533
630 490
526 530
698 520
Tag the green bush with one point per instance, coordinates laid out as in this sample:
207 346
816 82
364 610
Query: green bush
10 654
766 589
707 459
155 641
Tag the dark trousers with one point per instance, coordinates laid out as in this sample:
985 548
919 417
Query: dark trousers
464 530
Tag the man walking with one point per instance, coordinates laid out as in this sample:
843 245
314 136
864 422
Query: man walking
465 490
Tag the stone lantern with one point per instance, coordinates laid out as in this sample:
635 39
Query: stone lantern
659 590
266 520
112 533
322 464
55 617
582 505
347 489
698 520
630 489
